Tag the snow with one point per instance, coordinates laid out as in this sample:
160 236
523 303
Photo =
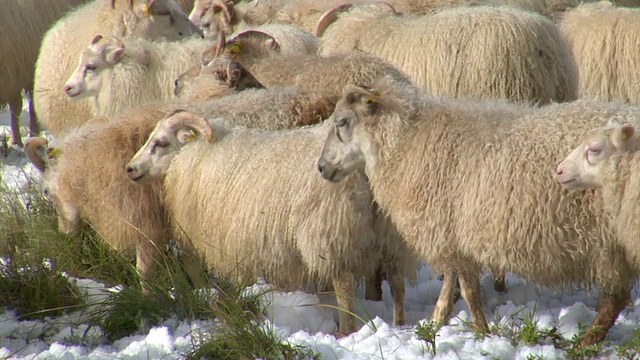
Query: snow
308 319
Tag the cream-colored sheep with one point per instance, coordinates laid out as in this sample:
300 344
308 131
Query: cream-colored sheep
481 52
151 19
22 25
268 214
117 74
604 41
608 159
470 185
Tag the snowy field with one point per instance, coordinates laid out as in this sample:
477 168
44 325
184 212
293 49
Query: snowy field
297 321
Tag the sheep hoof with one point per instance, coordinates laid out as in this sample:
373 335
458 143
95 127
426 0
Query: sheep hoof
499 285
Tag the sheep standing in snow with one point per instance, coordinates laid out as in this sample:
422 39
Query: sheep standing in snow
118 74
608 159
450 175
290 229
604 41
63 42
22 25
479 52
102 151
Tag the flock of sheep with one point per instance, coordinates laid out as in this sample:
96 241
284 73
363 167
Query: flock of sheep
447 120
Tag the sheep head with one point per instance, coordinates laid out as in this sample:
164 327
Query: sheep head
349 145
214 17
155 19
220 77
583 168
86 80
171 133
46 159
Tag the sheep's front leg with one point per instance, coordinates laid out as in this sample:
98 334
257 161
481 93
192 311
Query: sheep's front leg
472 294
610 307
396 283
344 287
192 266
147 256
444 305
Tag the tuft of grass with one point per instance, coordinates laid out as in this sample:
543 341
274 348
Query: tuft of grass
630 349
35 291
427 332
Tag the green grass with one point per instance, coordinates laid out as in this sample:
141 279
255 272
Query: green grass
32 283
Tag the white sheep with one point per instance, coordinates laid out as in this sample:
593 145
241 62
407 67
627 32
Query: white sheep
469 186
135 219
117 74
22 25
151 19
290 229
604 41
481 52
608 159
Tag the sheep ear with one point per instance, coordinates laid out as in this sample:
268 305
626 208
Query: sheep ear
187 135
240 79
96 39
614 122
113 55
622 137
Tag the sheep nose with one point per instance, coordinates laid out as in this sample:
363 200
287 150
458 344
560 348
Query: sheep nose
559 171
67 89
129 169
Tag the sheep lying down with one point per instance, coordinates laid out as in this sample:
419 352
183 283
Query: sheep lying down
252 202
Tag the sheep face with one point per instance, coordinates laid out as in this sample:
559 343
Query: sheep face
46 159
219 77
349 146
152 161
583 167
102 54
213 17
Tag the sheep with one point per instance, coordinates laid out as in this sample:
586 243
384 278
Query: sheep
481 52
22 25
101 151
306 71
64 40
603 40
120 73
608 159
450 175
291 229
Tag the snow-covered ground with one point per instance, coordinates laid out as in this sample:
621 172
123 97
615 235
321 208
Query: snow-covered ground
296 320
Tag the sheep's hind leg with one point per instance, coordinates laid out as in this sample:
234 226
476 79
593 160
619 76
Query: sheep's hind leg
396 283
15 108
34 128
345 288
472 294
374 286
610 307
444 305
499 283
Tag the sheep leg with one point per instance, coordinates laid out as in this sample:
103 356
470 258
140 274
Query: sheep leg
345 288
15 108
34 128
192 266
611 306
472 294
147 254
374 286
396 283
499 283
444 305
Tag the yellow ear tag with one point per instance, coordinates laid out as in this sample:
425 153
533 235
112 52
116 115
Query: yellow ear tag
146 10
233 49
193 137
53 153
375 98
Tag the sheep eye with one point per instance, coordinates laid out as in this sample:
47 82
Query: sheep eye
178 83
340 122
91 67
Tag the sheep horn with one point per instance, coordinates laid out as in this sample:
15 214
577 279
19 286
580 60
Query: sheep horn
393 10
353 89
329 17
226 7
31 147
96 39
260 33
180 119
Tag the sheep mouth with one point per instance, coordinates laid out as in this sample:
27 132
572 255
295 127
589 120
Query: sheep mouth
137 178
